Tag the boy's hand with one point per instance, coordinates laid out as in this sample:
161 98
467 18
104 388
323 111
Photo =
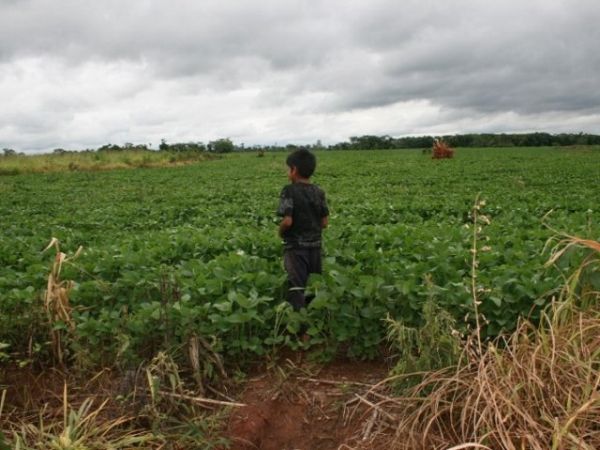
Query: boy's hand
286 224
324 221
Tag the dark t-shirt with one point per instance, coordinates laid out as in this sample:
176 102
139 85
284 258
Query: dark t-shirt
307 205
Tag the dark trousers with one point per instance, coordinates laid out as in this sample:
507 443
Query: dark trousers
299 264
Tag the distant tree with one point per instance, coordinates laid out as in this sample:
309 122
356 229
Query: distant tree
414 142
370 142
136 147
109 148
185 147
8 152
221 146
163 145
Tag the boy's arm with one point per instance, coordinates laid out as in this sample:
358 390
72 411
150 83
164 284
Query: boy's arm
285 210
324 211
285 224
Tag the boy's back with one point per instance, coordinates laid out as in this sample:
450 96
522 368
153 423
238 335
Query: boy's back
304 213
306 204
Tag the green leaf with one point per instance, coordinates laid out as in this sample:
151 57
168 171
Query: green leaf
496 300
236 318
320 301
59 325
223 306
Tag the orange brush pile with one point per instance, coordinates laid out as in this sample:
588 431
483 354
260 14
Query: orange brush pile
441 150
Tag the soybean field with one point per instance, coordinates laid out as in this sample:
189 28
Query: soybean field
168 253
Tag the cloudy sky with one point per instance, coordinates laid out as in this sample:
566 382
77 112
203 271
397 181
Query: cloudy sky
78 73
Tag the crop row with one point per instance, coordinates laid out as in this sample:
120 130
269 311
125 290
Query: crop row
169 253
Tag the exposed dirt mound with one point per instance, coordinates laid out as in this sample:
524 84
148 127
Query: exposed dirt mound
298 406
292 405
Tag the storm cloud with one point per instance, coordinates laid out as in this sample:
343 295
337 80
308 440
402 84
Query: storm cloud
77 74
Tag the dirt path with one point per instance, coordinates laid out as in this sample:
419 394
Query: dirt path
293 405
305 407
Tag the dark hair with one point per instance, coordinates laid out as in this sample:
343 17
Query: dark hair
304 161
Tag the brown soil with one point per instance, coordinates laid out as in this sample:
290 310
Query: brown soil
28 393
295 404
300 406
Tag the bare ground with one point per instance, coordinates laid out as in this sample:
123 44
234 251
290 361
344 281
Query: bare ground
293 404
301 406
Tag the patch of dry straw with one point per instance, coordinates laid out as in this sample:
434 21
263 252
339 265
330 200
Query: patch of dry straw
538 389
56 299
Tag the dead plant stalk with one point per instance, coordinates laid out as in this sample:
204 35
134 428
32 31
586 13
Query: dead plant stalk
56 299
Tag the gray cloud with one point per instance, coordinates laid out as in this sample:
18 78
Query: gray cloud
262 71
526 59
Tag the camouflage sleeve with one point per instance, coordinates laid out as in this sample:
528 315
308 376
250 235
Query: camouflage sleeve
286 203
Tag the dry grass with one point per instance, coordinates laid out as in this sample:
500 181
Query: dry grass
576 286
56 301
83 427
441 150
153 409
94 161
537 389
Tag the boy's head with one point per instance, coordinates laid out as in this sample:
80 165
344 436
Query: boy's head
303 162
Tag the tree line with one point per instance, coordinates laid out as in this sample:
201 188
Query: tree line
366 142
370 142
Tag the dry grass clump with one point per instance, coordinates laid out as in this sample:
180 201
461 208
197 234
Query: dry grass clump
537 389
97 161
577 286
540 391
441 150
153 408
87 426
56 301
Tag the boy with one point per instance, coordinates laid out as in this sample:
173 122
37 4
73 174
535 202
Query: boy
304 210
